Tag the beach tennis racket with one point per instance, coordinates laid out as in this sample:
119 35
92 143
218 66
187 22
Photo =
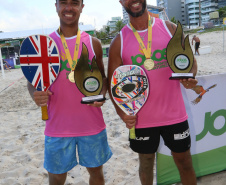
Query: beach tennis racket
129 89
40 63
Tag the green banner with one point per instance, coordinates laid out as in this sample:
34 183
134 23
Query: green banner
203 163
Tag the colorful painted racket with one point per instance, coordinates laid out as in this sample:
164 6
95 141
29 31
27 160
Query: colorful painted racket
40 63
129 88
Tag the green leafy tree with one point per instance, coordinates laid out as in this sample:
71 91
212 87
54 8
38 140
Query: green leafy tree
107 30
103 37
173 20
222 12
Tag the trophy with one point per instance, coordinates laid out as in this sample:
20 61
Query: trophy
179 58
88 78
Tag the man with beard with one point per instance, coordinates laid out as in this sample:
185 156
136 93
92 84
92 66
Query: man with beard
164 112
73 128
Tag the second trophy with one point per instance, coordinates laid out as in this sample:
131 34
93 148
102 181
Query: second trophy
180 56
88 78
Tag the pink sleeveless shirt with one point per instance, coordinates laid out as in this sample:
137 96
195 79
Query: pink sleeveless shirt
67 116
165 105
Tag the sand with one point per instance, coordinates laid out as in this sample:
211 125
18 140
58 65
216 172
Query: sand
22 138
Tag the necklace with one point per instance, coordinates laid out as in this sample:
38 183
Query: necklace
142 37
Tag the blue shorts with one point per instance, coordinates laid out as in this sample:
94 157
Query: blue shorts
60 152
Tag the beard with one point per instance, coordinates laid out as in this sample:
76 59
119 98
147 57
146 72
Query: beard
137 14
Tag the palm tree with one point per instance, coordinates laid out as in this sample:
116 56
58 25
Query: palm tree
118 26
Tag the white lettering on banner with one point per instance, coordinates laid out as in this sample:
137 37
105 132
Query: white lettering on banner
142 138
184 135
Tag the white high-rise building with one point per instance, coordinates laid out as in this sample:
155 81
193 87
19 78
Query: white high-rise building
192 8
198 11
174 8
221 3
125 16
208 6
190 12
112 23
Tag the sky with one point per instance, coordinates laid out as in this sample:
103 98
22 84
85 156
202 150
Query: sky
17 15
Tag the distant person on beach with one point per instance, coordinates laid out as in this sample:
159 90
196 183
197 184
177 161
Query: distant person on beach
197 44
164 112
73 128
6 65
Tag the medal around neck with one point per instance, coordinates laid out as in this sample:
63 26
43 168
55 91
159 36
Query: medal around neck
71 77
180 59
88 78
129 89
149 64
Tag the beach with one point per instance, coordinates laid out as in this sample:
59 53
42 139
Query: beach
22 130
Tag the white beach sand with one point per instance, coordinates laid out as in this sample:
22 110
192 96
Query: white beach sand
22 138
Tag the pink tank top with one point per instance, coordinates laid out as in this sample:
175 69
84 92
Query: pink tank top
165 105
67 116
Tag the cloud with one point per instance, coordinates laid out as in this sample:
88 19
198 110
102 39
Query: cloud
94 19
18 15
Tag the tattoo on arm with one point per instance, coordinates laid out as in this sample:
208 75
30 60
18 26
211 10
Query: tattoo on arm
172 25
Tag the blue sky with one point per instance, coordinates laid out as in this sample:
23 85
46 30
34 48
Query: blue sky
16 15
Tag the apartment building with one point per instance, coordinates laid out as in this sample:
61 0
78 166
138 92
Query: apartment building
125 16
207 6
193 11
174 8
198 11
112 23
221 3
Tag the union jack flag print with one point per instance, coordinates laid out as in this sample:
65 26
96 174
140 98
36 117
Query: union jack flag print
40 61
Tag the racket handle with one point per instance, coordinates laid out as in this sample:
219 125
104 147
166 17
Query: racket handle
44 113
132 134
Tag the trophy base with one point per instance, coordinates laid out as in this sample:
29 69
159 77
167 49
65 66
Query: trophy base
92 99
178 76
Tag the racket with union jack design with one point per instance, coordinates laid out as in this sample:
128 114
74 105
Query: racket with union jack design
40 63
129 89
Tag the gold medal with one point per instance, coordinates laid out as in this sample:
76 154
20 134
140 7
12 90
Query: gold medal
149 64
71 77
71 62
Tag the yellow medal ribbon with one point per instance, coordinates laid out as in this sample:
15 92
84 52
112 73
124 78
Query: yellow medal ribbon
147 52
71 62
